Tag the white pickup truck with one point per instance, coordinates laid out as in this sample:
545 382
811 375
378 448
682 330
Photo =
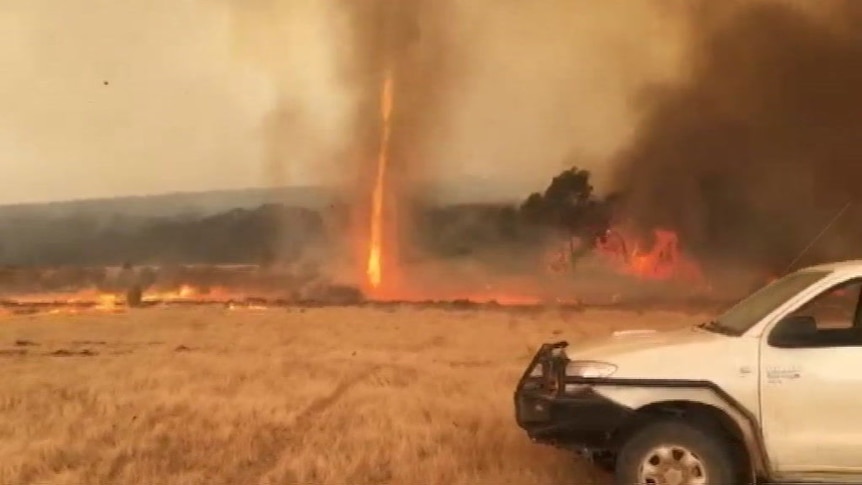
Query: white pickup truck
768 391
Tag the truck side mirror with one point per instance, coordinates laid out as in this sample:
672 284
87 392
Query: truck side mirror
794 331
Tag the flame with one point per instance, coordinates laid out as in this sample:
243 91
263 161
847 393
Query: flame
107 302
504 298
662 261
95 301
374 268
235 307
186 291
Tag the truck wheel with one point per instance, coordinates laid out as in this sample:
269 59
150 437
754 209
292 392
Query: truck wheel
675 452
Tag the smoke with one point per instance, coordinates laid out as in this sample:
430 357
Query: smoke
758 146
104 99
546 85
508 91
299 46
511 91
328 60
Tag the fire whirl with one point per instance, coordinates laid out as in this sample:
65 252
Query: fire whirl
375 268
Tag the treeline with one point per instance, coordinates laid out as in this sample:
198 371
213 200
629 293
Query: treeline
568 208
273 232
237 236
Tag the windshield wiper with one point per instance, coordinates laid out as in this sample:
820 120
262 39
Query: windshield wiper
717 327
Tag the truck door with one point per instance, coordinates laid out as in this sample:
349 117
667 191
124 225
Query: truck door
811 390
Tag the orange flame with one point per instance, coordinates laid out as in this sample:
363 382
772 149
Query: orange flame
95 301
662 261
374 268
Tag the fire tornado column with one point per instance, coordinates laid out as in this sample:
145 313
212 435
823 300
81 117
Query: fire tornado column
375 267
398 69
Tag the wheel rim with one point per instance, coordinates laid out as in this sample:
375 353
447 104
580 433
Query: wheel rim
672 465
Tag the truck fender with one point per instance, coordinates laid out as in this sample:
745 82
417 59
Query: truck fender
637 396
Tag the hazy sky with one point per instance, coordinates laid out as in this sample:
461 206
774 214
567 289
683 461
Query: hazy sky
177 112
183 108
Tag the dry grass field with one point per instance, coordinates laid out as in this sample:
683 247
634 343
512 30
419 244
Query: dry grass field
329 396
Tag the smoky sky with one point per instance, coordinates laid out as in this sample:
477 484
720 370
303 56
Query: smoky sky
759 146
206 94
407 40
505 91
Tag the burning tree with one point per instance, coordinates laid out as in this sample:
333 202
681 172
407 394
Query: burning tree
570 207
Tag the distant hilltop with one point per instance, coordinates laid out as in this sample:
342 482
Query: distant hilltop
202 204
192 204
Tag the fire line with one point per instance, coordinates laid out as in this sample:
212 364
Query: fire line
375 264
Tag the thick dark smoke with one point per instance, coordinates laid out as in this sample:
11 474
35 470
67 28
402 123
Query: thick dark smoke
761 145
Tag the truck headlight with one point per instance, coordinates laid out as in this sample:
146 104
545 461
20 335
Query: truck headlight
589 368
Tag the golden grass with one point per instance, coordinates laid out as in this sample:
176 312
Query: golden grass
334 396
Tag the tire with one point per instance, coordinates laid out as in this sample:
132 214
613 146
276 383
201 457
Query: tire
604 462
709 454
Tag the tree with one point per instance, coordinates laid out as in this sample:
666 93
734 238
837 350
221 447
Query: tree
570 207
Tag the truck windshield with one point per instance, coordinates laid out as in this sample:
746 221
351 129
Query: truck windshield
753 308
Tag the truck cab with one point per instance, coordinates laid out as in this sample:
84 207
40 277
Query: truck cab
768 391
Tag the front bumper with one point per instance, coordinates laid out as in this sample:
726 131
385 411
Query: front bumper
562 410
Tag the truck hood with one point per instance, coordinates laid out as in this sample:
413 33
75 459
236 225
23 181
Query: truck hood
655 354
637 341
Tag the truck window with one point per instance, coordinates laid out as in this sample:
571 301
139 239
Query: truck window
745 314
835 308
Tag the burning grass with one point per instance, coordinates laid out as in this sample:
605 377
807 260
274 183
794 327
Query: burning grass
326 395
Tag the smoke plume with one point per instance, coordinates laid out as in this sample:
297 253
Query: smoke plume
759 146
327 60
508 91
504 91
298 46
406 41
